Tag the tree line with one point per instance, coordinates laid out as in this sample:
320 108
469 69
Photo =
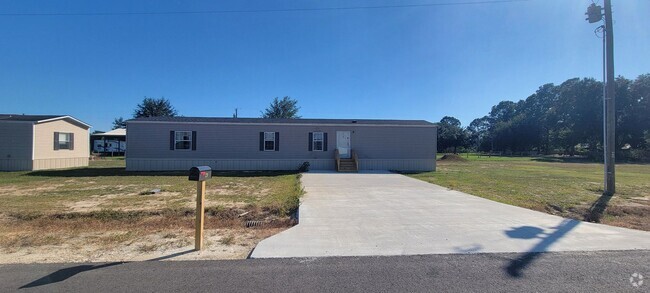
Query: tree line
558 119
161 107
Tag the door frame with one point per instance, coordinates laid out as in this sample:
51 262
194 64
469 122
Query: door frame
349 147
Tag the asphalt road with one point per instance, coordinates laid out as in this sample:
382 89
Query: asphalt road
546 272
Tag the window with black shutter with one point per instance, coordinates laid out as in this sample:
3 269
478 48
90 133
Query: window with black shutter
182 140
63 141
318 141
269 141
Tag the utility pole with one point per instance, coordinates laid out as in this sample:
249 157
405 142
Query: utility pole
609 111
610 107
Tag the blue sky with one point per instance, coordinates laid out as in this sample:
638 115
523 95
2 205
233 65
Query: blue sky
400 63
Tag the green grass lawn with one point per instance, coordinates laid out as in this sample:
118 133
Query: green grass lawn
97 207
550 185
106 185
104 213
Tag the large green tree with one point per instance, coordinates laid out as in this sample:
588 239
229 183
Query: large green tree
478 134
580 114
282 108
152 107
451 135
633 111
566 118
119 123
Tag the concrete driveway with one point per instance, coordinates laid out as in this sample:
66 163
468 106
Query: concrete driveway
391 214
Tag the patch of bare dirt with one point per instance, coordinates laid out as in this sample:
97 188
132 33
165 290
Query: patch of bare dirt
114 187
624 214
98 202
634 217
119 246
87 205
191 203
8 190
15 190
641 200
237 188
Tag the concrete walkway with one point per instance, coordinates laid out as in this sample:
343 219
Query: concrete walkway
391 214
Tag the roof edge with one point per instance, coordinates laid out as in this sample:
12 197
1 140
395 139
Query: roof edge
65 117
431 125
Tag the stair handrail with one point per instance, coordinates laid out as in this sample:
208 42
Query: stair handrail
356 159
337 157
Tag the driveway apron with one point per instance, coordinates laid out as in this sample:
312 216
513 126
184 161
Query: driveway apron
390 214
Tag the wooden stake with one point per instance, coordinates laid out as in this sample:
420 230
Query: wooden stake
200 199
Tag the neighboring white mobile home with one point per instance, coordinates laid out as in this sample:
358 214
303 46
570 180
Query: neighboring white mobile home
36 142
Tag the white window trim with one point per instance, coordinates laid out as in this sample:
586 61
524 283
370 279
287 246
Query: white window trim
176 140
265 140
67 135
322 140
33 140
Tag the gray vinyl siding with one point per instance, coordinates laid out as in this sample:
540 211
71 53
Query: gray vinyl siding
236 147
16 146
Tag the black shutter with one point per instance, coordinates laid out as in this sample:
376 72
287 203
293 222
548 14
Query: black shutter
56 141
171 140
324 141
71 141
262 141
311 138
277 141
193 140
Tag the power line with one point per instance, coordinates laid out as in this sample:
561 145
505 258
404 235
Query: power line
259 10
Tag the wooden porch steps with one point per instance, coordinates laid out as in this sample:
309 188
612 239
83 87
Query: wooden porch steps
347 165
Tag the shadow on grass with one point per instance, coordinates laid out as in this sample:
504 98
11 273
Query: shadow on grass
113 172
516 267
597 209
409 172
66 273
101 172
554 159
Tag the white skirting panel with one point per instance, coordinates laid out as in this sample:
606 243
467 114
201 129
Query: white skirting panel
133 164
398 164
223 165
15 164
60 163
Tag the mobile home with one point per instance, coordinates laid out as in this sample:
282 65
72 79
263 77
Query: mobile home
35 142
178 143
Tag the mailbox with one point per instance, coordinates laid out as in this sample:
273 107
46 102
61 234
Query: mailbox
200 173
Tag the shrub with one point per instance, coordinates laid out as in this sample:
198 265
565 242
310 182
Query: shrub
635 155
304 167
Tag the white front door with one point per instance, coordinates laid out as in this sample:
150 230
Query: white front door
343 144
